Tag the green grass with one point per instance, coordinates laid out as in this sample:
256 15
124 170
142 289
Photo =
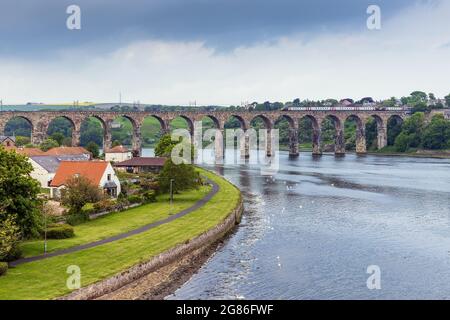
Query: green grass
117 223
46 279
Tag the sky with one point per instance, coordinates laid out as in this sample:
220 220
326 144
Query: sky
221 52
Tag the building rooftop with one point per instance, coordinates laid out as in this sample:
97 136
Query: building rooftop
29 152
93 170
118 149
51 163
142 162
59 151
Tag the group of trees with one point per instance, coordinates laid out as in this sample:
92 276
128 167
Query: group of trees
416 133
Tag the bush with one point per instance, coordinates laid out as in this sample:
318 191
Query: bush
149 197
77 218
104 205
14 254
62 231
135 199
3 268
9 240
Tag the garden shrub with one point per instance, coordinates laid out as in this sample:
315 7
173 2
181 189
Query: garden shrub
104 205
62 231
149 197
3 268
77 218
135 199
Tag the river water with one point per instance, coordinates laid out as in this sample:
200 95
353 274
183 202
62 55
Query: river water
311 230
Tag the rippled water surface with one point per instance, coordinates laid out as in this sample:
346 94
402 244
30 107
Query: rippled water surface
311 231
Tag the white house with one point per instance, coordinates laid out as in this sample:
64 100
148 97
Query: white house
45 167
100 173
118 154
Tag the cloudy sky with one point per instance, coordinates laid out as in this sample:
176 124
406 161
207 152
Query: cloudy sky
221 51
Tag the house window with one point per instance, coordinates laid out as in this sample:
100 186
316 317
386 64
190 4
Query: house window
109 177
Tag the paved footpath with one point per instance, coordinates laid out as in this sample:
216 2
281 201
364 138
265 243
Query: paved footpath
198 204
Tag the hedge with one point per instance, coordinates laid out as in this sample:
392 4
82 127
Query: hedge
62 231
3 268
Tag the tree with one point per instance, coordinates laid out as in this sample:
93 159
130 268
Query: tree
58 137
184 177
447 100
411 134
115 143
437 134
67 142
22 141
48 144
93 148
9 239
78 191
19 193
165 146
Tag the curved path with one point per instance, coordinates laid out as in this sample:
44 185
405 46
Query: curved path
198 204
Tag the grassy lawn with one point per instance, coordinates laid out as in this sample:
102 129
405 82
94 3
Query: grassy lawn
117 223
47 278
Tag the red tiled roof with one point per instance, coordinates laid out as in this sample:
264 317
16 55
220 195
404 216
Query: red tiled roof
142 162
61 151
29 152
93 170
118 149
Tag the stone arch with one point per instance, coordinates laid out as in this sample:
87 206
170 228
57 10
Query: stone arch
244 124
153 120
75 130
136 143
316 133
83 127
267 122
381 134
394 125
214 119
288 118
339 141
189 121
360 133
292 133
28 120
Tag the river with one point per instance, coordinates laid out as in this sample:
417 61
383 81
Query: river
312 230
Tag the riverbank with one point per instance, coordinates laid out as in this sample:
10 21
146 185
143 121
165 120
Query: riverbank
142 253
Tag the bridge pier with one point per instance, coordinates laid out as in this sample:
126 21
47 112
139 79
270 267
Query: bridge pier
76 135
382 136
316 147
107 138
218 146
38 136
339 144
244 145
137 141
361 140
293 143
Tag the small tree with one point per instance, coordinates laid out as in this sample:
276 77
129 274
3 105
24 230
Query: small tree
9 239
165 146
58 137
116 143
19 193
78 191
48 144
93 148
22 141
184 175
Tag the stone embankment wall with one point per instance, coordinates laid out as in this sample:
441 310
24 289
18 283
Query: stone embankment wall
128 276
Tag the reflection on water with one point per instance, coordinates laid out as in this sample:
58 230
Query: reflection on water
311 231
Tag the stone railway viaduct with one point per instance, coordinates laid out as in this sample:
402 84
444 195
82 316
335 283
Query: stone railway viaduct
40 121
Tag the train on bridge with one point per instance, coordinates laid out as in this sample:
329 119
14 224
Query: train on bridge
349 108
